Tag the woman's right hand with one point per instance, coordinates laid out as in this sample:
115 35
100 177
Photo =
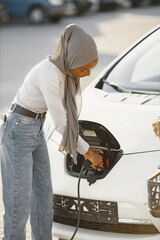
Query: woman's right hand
95 157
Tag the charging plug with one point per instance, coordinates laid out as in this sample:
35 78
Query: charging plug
90 179
87 163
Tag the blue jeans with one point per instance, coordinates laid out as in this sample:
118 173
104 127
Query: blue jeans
26 178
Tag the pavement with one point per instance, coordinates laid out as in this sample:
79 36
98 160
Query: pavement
117 34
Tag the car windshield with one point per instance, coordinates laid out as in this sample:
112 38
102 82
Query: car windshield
140 69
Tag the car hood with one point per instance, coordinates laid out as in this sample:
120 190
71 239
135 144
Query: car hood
129 117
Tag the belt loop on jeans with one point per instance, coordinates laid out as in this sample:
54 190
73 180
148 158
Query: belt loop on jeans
13 107
37 116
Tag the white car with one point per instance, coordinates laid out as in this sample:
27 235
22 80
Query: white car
119 108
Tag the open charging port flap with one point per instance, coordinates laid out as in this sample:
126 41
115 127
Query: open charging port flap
98 137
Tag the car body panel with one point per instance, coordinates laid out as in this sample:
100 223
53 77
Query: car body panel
135 115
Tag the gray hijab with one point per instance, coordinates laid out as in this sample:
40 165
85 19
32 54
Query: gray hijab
75 49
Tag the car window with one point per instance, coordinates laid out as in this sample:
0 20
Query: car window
140 68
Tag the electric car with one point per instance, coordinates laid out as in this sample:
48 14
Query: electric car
118 110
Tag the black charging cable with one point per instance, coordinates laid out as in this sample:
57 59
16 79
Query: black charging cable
85 164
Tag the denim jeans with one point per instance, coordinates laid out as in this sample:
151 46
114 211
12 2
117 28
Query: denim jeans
26 178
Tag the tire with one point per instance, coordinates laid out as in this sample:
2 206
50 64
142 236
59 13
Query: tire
36 15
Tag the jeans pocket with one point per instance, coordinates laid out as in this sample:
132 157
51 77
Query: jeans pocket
26 121
2 132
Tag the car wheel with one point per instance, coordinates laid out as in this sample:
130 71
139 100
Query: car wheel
36 15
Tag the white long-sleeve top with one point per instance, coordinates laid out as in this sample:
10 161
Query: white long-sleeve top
42 90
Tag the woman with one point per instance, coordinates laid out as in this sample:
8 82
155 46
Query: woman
50 85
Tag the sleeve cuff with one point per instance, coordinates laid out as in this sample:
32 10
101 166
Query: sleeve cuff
82 146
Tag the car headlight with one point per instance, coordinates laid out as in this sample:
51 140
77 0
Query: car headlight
55 2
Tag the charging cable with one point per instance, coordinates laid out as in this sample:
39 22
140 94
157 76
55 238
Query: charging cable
85 164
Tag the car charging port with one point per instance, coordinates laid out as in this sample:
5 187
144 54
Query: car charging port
98 137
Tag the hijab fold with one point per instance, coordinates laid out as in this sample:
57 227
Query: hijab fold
75 49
